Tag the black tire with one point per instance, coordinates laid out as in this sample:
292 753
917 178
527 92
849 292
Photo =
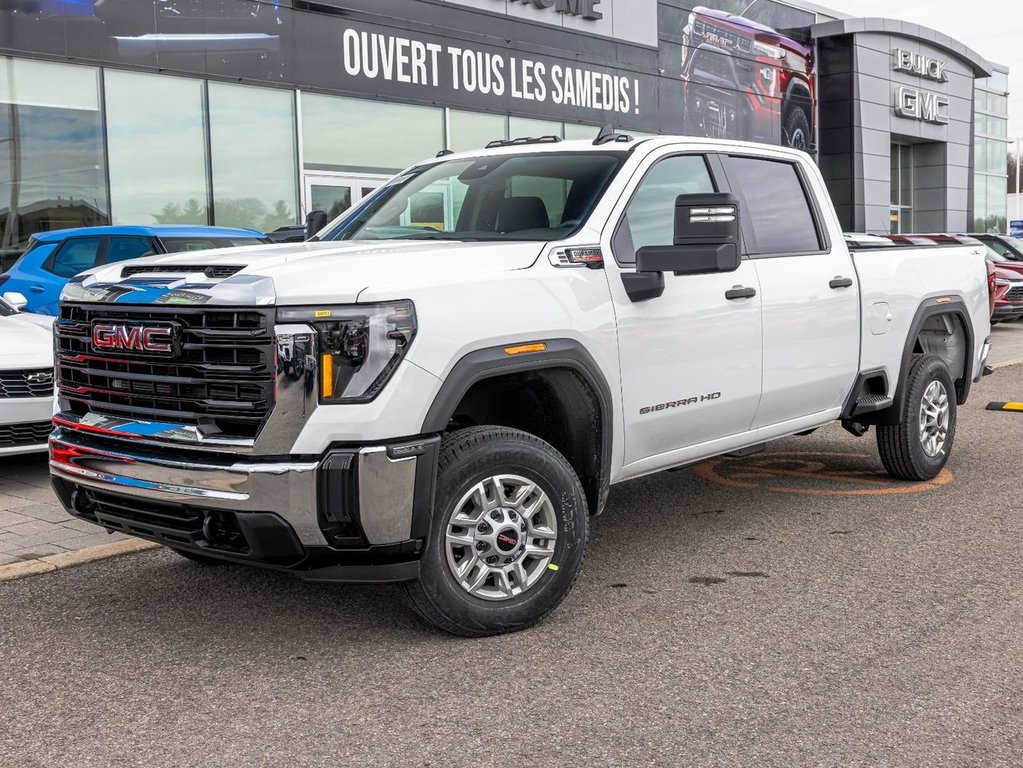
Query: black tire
467 458
796 128
195 557
900 445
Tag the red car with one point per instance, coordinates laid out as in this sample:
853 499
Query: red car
1004 274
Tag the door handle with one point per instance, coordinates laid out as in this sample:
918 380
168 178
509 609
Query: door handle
841 282
37 289
738 292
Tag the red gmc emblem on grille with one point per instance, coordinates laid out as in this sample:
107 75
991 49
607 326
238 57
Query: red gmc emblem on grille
113 337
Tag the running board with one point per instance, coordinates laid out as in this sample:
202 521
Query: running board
871 403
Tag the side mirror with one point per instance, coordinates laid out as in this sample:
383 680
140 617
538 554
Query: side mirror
314 222
16 300
706 238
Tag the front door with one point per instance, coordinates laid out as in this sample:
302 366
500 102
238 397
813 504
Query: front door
335 193
690 358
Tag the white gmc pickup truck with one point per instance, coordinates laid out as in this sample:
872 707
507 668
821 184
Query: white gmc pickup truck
443 398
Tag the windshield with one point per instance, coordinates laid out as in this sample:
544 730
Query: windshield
1013 247
992 255
516 197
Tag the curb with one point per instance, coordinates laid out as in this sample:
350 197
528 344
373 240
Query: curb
1007 363
13 571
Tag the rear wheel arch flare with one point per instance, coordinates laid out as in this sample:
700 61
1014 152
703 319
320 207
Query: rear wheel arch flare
942 329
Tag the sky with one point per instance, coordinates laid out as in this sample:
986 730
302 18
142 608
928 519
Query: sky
993 28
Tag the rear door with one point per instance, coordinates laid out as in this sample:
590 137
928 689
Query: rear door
691 357
808 288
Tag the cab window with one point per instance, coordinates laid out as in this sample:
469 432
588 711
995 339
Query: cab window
650 217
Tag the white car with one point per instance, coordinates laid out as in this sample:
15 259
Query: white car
26 377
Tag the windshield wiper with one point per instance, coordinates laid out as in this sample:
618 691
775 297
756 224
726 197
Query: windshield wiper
437 236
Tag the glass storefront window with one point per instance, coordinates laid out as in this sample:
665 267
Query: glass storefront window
577 131
367 136
255 157
156 134
470 130
52 169
521 126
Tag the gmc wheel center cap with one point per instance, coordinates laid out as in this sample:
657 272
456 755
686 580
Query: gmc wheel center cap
507 539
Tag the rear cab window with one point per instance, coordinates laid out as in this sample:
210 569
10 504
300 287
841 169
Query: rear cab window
777 215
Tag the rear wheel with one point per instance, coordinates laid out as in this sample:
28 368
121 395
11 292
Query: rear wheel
918 447
508 534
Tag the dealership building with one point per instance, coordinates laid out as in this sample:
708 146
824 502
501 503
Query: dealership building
254 112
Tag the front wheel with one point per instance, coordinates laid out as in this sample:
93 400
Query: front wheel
508 534
918 447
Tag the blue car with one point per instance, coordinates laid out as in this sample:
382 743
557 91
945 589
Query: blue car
53 258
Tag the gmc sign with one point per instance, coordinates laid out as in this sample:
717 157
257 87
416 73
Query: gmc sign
116 337
585 8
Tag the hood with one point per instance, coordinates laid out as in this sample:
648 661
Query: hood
26 341
300 273
1008 271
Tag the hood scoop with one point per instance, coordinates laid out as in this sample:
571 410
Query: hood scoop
217 272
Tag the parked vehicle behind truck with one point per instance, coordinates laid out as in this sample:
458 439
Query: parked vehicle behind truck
52 258
445 404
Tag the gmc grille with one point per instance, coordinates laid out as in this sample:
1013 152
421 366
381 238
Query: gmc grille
223 378
32 383
734 40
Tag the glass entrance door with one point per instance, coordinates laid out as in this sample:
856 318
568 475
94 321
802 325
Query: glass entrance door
902 189
336 193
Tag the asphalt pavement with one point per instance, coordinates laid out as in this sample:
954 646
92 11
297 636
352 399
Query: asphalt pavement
785 609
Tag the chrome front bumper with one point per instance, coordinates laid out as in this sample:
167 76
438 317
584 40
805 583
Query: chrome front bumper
381 495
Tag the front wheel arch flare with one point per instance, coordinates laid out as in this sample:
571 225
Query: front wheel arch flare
564 355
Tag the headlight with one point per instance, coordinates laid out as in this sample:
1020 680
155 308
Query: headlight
360 345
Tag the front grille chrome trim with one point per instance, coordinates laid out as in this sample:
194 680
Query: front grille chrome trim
221 380
297 397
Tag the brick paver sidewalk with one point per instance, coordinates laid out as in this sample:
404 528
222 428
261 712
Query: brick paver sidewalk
32 522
